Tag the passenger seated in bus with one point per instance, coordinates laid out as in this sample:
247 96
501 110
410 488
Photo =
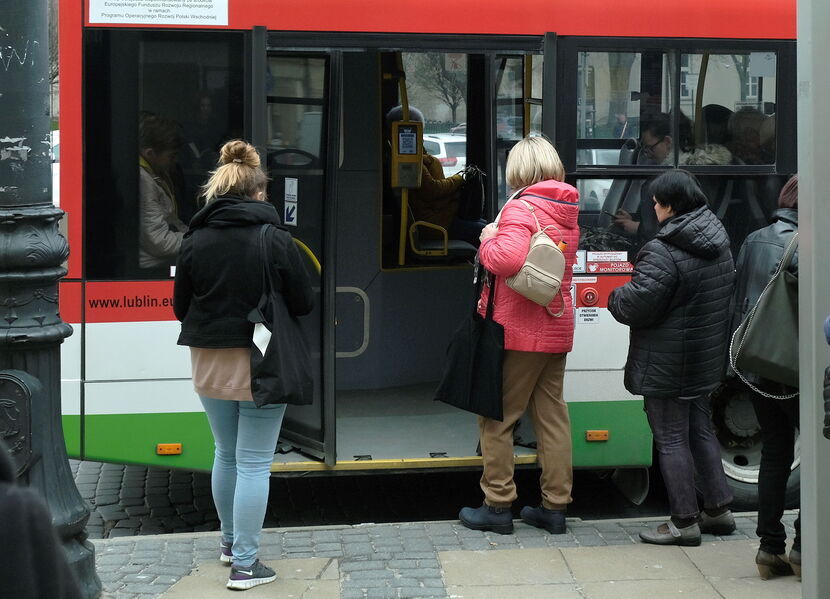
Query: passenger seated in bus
657 147
160 229
437 200
745 130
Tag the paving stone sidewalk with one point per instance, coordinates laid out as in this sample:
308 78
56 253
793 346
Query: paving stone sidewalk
373 561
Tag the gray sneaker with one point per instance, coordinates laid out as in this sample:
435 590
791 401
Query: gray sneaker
668 534
242 579
719 525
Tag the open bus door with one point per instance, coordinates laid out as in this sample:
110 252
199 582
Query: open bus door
295 120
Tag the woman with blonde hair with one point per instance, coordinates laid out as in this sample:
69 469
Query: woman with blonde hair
536 342
218 283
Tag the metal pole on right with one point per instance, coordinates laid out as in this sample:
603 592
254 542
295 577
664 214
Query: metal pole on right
814 289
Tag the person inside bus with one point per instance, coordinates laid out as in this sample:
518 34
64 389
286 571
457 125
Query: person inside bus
657 143
677 305
160 228
436 201
536 344
218 283
778 418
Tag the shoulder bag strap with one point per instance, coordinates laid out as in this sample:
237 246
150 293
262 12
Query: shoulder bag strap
786 260
263 257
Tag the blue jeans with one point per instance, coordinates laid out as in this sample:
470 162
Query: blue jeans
245 438
685 441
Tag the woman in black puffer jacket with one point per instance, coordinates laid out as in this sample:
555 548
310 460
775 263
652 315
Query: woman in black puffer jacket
677 305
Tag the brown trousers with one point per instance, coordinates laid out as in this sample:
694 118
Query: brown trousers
533 380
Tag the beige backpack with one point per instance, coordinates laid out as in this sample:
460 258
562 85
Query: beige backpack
540 277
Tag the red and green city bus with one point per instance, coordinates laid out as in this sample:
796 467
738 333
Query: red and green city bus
309 84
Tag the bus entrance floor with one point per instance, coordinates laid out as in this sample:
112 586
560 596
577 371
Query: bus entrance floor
594 559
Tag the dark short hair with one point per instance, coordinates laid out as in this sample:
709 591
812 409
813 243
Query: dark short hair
678 190
658 124
158 133
788 198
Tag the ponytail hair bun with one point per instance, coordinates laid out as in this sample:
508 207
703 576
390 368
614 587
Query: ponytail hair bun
239 152
230 178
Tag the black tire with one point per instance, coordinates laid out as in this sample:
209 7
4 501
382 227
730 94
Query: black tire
746 494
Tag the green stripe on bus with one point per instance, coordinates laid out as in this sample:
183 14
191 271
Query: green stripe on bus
132 438
72 435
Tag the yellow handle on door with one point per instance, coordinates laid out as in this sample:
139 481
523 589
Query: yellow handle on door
307 251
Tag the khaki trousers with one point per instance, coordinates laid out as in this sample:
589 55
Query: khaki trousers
531 380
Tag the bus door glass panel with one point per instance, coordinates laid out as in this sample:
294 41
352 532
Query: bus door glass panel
297 90
730 101
509 115
518 108
533 115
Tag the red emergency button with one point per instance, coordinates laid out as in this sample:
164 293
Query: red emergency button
589 296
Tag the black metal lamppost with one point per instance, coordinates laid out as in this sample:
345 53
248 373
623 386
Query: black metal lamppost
32 253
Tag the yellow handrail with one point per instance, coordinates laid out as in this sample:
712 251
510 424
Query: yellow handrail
307 251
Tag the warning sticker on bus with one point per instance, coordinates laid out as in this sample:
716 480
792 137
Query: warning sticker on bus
159 12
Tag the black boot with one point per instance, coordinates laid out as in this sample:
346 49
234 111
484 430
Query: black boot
552 521
497 519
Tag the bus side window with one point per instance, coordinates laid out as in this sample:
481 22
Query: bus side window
161 106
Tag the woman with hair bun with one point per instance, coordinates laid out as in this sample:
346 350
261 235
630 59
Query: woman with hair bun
218 282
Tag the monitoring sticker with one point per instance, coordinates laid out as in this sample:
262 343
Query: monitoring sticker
159 12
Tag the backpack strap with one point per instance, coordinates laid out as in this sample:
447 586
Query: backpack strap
539 228
561 310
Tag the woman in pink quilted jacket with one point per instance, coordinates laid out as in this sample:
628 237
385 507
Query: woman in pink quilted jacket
536 343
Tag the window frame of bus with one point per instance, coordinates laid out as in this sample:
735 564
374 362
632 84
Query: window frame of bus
786 159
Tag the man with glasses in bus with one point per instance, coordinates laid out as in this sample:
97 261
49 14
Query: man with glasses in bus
655 148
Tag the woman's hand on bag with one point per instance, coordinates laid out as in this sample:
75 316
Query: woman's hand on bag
489 231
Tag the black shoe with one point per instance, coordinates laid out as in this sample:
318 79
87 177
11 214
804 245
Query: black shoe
552 521
497 519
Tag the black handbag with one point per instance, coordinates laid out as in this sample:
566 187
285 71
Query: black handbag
471 194
472 377
280 360
766 342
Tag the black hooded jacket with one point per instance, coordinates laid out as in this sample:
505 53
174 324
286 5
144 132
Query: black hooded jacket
219 272
678 307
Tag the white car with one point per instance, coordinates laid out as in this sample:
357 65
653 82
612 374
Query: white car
450 150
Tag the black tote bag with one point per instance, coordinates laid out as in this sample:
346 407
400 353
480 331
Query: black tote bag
472 377
766 342
280 360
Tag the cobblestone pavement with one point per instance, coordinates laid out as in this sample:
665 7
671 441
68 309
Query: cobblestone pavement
136 500
373 560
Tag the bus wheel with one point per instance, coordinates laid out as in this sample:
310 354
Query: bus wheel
739 435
